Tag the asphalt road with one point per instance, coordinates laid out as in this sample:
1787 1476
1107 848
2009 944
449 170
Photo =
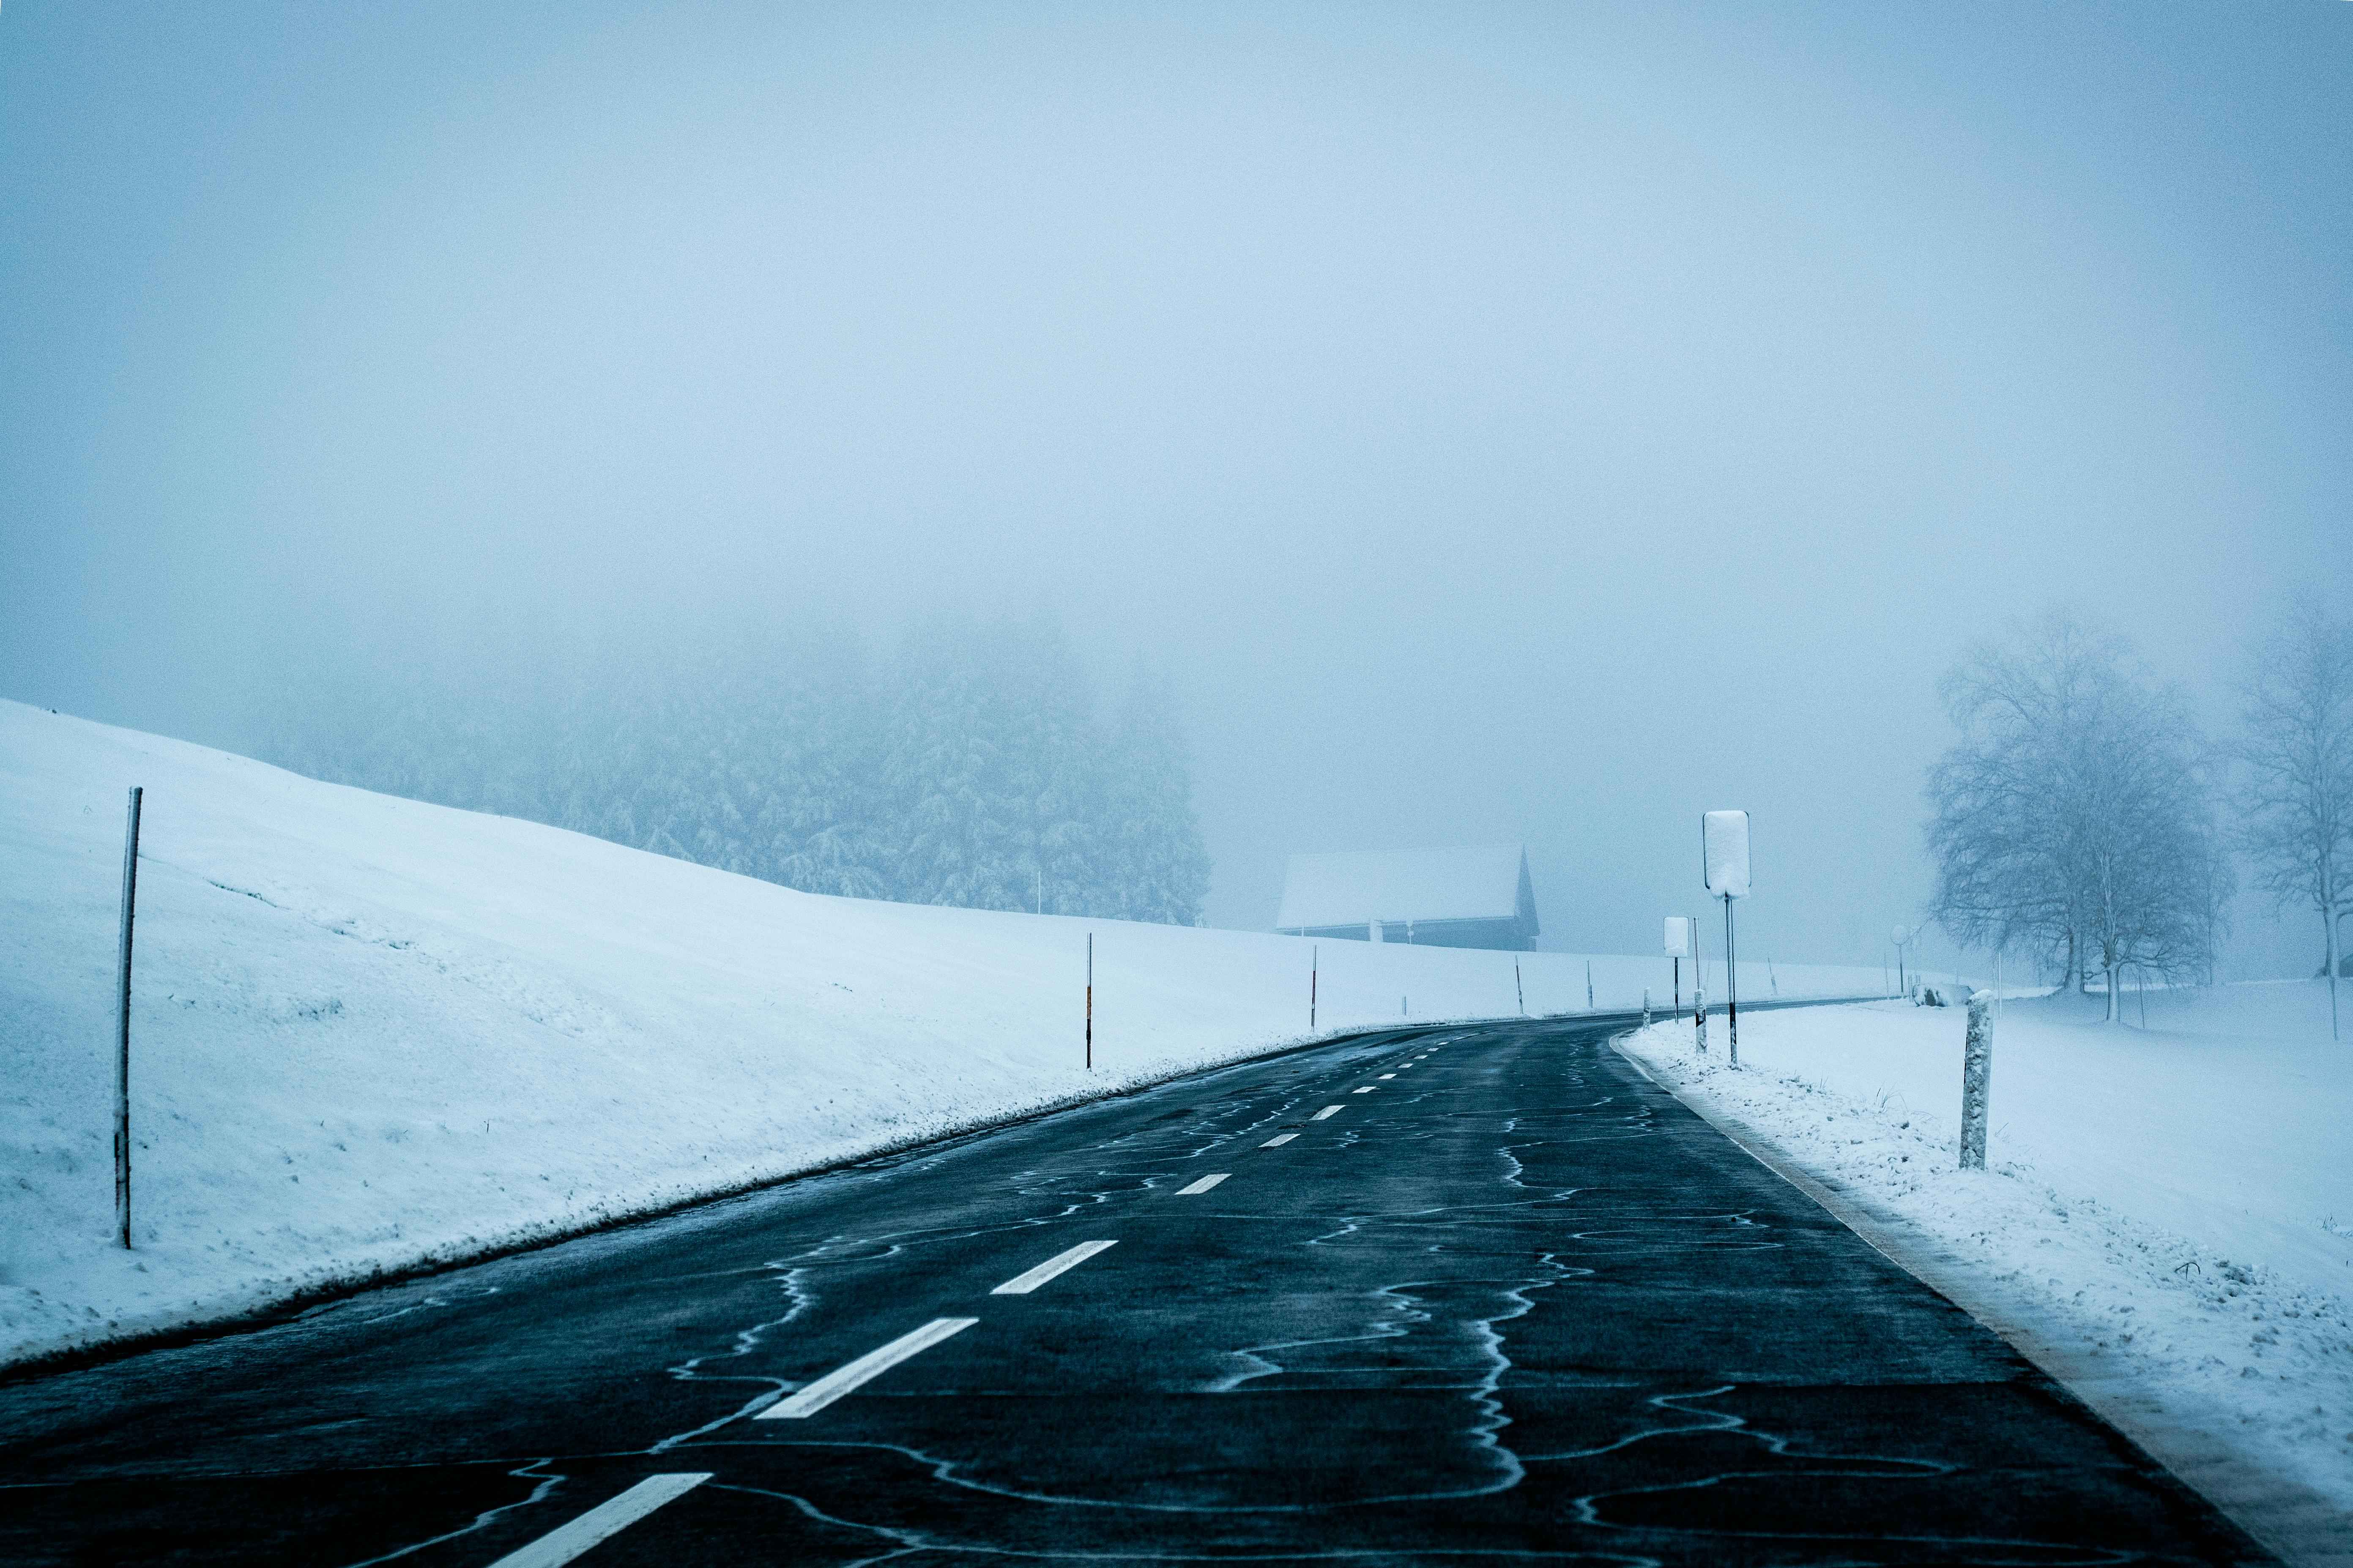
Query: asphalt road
1509 1302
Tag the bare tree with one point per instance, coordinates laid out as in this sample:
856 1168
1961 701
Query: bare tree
2073 817
2297 795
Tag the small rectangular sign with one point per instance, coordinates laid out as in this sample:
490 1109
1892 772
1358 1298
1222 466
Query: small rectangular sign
1724 848
1678 936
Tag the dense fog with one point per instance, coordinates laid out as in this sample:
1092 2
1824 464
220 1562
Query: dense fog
1421 424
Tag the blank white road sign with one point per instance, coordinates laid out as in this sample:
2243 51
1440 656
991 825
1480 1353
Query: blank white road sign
1679 936
1723 845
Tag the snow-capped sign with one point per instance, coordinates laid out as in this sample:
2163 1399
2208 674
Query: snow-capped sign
1724 846
1679 936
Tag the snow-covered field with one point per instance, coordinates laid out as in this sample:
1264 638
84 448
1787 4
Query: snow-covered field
2174 1204
369 1032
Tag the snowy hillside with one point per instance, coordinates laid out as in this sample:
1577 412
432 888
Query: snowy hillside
2170 1207
368 1031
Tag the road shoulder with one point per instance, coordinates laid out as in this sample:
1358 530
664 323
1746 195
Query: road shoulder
2301 1525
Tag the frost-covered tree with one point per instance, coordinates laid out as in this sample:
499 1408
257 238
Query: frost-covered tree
1158 868
2295 797
957 829
969 771
2073 816
825 758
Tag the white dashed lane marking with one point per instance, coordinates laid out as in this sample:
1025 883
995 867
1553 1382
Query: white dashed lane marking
865 1369
1388 1075
566 1541
1366 1090
1203 1184
1278 1141
1030 1279
1327 1111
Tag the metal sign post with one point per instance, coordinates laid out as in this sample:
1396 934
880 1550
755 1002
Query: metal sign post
1724 857
1731 985
1678 946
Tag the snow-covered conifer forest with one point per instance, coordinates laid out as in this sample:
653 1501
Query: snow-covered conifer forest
970 767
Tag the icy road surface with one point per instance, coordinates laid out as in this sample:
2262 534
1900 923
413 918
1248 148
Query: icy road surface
1472 1294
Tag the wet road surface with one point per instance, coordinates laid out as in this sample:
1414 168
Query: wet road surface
1508 1302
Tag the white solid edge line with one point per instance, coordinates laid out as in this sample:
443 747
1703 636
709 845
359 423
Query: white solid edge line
1021 1284
872 1364
610 1518
1278 1141
1203 1184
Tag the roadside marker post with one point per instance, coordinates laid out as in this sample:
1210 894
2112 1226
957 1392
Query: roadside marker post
1699 988
1724 857
1679 947
122 1026
1977 1080
1091 1001
1315 974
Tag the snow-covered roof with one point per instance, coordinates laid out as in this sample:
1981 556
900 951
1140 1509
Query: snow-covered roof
1476 883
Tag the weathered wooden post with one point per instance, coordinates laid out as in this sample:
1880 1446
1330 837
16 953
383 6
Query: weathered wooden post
1977 1080
123 1026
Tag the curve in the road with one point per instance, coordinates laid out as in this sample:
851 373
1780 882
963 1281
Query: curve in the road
1465 1294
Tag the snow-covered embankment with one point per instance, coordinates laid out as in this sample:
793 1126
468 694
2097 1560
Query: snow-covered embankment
370 1033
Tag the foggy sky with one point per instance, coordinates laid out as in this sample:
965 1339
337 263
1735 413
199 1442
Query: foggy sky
1528 423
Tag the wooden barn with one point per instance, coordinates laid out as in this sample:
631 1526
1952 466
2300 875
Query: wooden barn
1477 897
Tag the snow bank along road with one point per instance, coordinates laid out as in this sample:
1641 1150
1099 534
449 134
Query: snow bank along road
1469 1294
368 1032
